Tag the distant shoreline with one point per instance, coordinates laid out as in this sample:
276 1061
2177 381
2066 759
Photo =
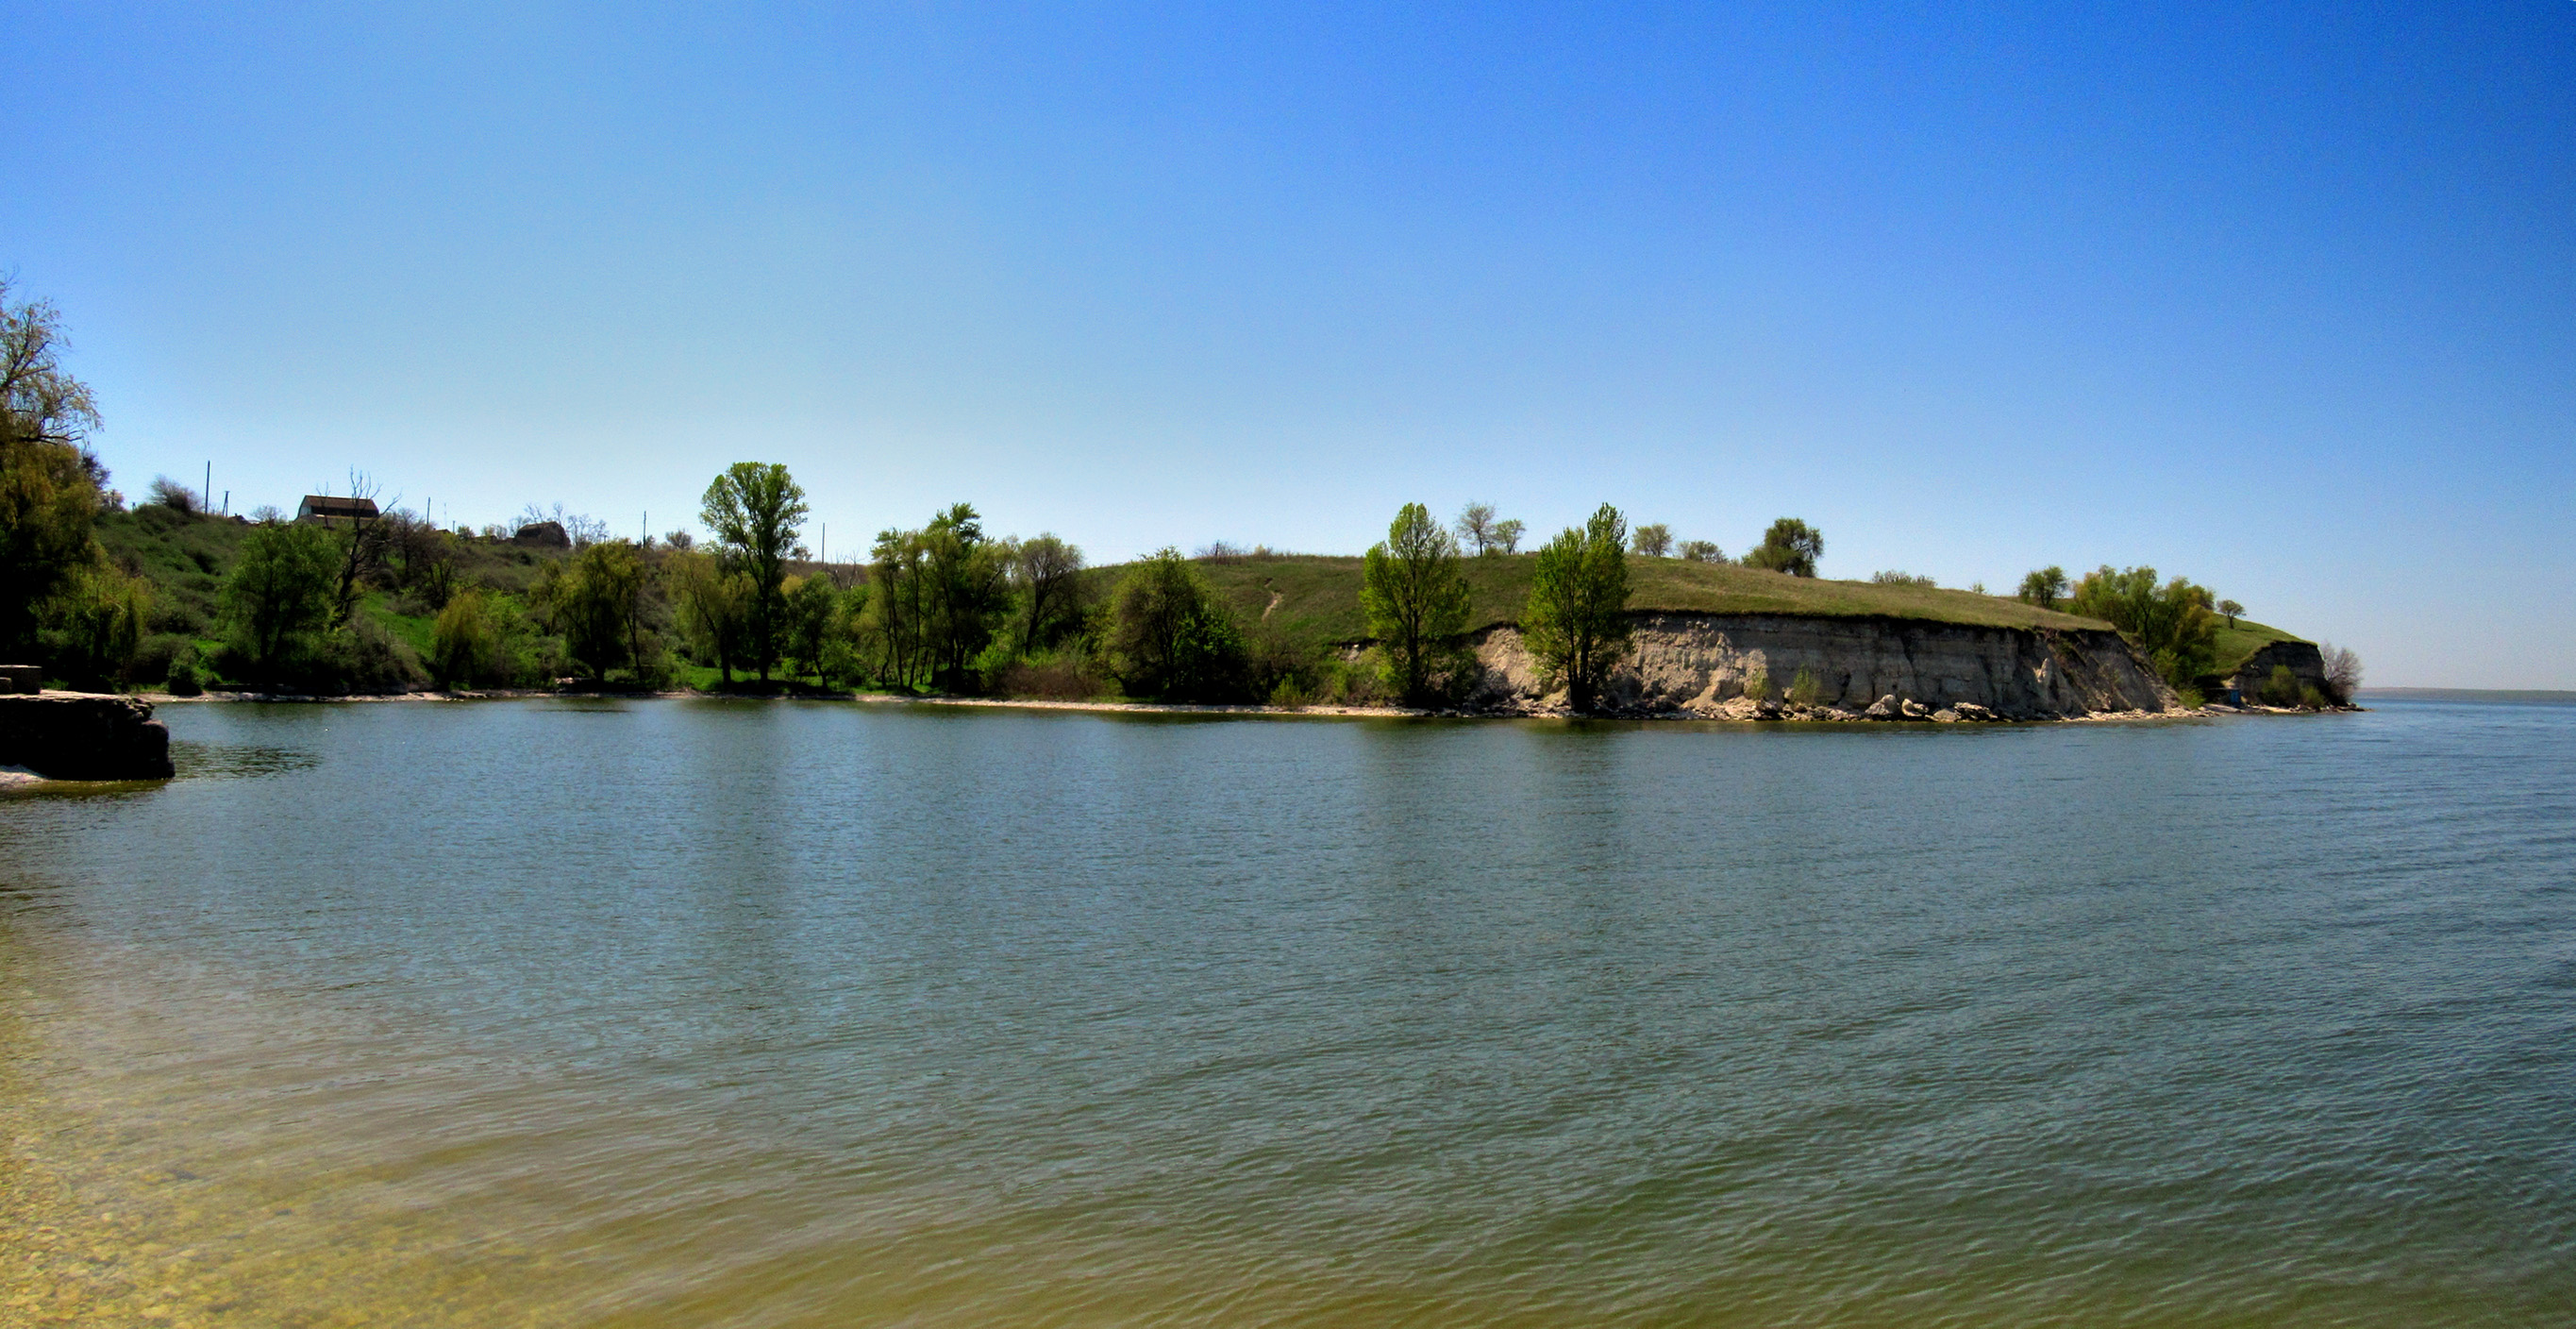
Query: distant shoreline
2542 695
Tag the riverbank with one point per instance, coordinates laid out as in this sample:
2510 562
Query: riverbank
1737 710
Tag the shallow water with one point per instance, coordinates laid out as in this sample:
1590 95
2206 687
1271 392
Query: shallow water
762 1014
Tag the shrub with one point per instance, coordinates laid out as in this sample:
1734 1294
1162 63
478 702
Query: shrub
1292 695
1056 678
2281 689
1894 578
158 654
183 679
1757 685
2312 698
1701 551
2343 673
1805 690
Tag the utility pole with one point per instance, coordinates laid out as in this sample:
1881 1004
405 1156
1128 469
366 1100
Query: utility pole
206 496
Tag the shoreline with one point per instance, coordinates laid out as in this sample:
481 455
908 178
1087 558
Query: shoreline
1733 712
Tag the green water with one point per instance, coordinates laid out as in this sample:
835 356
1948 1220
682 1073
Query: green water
744 1014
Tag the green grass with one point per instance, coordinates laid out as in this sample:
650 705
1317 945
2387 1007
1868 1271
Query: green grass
2236 645
1317 596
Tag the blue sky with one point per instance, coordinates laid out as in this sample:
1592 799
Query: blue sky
2282 298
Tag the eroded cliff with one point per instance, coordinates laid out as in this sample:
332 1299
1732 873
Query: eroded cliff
1686 664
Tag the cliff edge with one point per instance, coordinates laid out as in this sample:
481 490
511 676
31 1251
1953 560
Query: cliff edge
1702 664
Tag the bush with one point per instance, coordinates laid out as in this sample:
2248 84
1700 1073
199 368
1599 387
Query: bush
183 679
1757 685
1894 578
2281 689
1805 690
1291 695
1058 678
158 654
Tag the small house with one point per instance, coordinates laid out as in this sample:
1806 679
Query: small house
324 510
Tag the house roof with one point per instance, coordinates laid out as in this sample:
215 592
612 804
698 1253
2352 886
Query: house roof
322 505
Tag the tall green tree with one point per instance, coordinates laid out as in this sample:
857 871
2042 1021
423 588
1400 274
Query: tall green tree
597 603
49 482
1790 546
1049 574
755 510
969 581
1577 620
1416 600
280 592
1171 636
714 603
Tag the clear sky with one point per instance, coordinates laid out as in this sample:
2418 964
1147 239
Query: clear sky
2280 297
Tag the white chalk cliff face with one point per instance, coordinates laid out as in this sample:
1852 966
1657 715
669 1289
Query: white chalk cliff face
1699 663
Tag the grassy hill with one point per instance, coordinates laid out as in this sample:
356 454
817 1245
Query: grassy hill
1317 596
2237 644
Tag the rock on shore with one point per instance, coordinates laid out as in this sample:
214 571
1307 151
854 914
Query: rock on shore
83 736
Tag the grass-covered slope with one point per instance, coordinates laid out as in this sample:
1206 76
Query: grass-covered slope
2236 645
1316 598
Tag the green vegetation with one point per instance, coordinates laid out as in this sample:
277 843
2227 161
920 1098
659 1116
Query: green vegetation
1416 603
2173 624
2046 587
755 511
1576 622
1171 637
1790 546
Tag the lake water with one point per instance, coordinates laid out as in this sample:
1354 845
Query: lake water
684 1013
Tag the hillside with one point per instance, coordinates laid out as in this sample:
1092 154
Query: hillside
1318 595
2238 644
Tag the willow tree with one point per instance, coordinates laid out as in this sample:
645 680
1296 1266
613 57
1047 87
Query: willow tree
1577 621
1416 601
49 482
755 510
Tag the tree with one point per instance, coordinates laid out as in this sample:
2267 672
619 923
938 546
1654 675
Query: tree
1476 528
2343 672
755 511
812 604
279 592
969 584
100 619
1702 551
2044 587
900 605
715 609
1049 573
1653 540
1507 534
1415 598
2171 623
1577 620
49 483
2231 609
463 646
1171 637
598 604
45 403
1790 546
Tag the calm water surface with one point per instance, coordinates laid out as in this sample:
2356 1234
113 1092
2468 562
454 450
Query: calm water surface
678 1013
